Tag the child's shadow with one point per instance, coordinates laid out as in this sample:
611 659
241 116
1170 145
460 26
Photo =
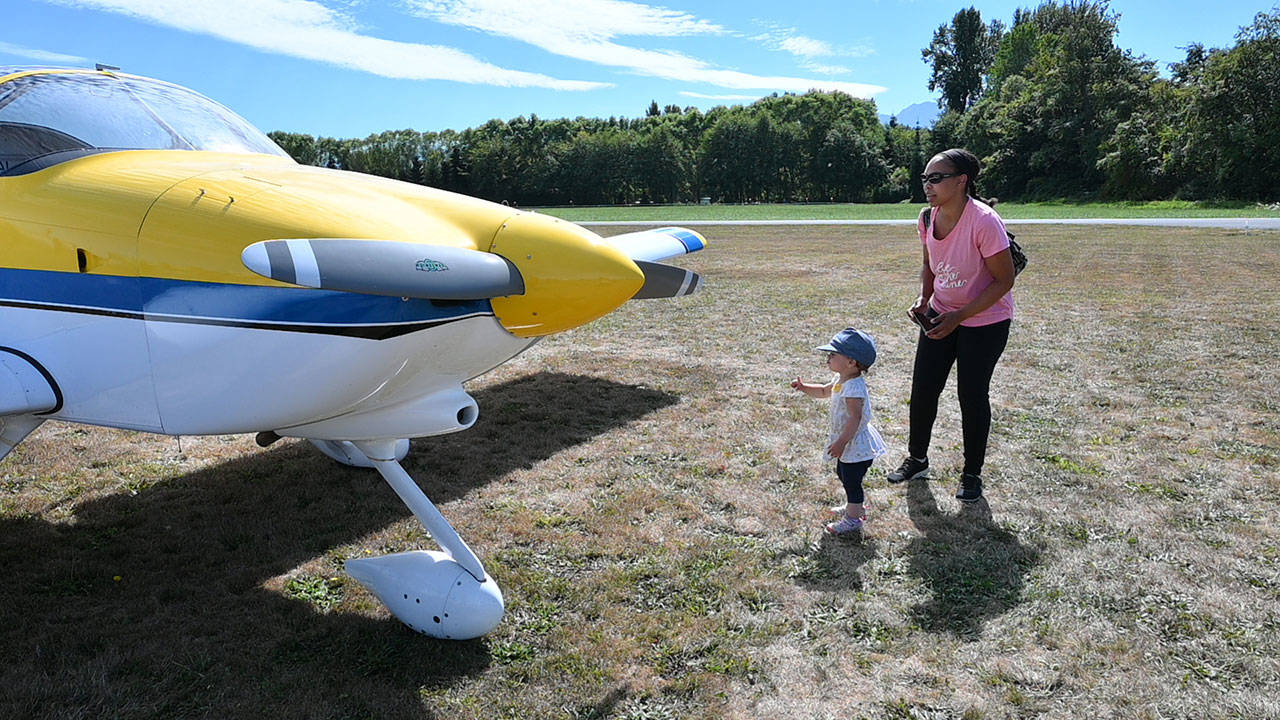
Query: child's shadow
832 563
974 567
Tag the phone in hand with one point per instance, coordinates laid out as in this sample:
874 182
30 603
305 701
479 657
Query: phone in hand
924 320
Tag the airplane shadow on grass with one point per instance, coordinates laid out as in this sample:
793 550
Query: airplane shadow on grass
188 629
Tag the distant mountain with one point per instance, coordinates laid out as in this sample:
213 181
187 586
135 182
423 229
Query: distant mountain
923 114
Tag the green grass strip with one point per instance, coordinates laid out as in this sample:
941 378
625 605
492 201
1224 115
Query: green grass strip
905 211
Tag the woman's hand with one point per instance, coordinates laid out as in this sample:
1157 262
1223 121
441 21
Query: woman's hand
944 324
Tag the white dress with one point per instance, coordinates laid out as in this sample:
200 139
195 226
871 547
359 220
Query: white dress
866 443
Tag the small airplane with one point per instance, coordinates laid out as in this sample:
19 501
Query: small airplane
165 267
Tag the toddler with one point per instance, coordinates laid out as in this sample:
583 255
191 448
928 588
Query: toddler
854 443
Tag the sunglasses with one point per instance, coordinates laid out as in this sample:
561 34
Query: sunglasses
935 178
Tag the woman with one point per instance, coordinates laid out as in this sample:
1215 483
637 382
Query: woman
965 302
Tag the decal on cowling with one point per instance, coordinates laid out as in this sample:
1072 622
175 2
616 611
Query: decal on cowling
428 265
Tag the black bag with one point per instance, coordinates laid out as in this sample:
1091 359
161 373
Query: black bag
1015 250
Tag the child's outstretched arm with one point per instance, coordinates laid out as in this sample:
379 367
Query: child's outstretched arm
812 389
836 449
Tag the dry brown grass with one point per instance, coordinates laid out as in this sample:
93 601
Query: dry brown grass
647 491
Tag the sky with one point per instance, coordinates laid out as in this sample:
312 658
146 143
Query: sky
350 68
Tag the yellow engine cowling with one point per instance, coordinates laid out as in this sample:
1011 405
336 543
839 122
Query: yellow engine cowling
572 276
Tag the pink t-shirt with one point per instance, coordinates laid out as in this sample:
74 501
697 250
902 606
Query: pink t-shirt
960 272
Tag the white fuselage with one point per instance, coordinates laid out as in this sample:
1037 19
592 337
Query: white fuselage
182 367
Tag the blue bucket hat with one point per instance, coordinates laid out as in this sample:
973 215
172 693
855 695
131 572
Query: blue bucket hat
853 344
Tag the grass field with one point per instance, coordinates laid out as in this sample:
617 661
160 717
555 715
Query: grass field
647 491
905 211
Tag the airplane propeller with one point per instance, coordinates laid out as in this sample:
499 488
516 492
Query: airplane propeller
665 281
377 267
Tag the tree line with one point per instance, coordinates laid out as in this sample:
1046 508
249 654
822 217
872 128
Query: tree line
1052 106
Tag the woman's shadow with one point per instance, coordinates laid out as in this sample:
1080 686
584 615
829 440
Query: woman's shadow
974 568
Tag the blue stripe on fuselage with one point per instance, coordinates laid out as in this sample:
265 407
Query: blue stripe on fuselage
222 304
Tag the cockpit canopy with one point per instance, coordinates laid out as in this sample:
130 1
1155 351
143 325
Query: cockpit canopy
51 116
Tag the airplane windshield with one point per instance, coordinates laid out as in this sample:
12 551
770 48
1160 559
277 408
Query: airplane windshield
53 117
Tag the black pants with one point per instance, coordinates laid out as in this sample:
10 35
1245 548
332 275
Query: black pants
974 351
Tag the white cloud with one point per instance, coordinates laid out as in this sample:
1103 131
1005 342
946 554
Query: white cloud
718 97
590 20
310 30
587 29
822 69
41 55
806 46
809 50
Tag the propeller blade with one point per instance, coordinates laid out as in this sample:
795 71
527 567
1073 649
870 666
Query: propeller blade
380 267
658 244
665 281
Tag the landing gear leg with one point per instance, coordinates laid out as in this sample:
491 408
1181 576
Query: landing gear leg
444 594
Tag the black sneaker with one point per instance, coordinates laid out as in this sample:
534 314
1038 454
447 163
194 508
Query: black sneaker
910 469
970 488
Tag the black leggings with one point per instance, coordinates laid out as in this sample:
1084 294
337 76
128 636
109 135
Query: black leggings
851 475
974 351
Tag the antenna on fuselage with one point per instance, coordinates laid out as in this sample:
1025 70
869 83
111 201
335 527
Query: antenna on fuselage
109 68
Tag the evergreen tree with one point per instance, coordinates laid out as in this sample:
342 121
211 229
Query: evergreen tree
961 55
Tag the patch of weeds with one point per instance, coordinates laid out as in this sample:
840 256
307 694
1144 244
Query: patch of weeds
757 601
1159 489
1029 424
731 663
1196 519
649 708
758 457
321 593
574 667
791 478
511 653
1076 532
1264 455
134 484
692 587
889 566
1168 614
828 612
902 709
875 635
1071 466
711 655
549 520
337 558
14 485
539 617
654 460
1199 669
